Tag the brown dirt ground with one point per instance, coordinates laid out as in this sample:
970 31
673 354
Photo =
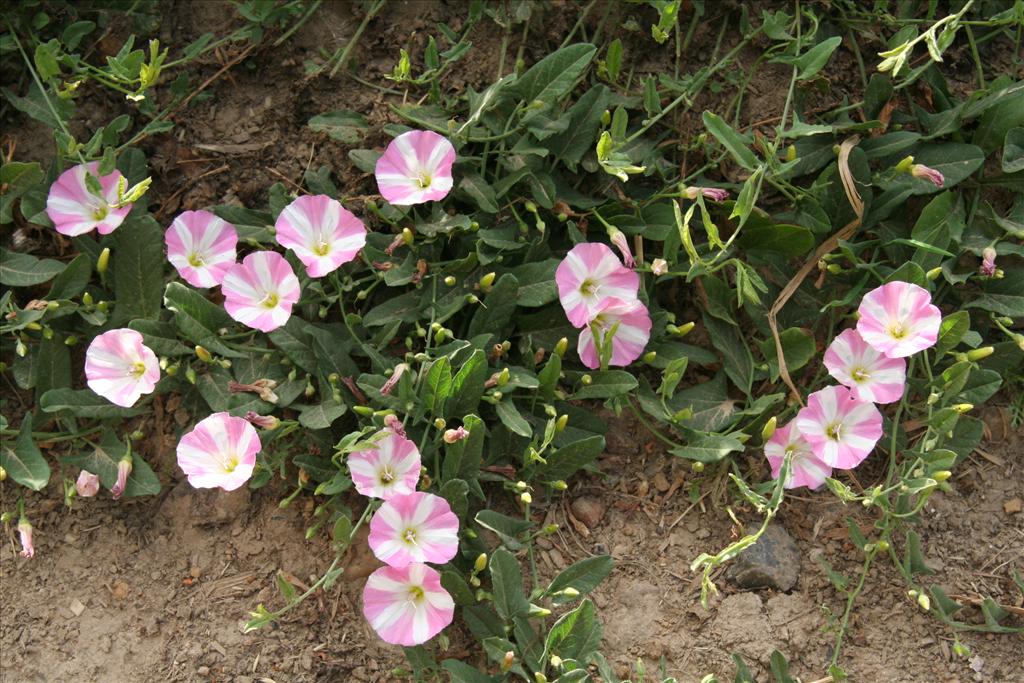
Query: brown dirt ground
156 589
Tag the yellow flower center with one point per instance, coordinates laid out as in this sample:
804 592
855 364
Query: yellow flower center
271 300
423 180
100 212
588 287
322 248
896 330
138 369
834 431
195 260
416 594
409 536
387 475
231 464
860 375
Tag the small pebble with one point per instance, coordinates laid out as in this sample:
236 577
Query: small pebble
588 510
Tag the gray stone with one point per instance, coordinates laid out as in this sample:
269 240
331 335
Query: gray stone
772 562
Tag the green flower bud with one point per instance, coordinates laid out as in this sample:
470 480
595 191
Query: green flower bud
686 329
203 355
769 428
586 380
560 424
190 375
408 237
481 562
934 273
103 261
487 281
450 280
963 407
365 411
978 354
650 356
439 423
526 497
559 485
70 340
697 466
942 475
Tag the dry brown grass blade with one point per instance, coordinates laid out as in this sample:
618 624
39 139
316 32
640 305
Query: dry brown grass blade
828 245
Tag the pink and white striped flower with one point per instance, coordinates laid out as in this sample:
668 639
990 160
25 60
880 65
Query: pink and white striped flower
632 330
87 485
590 274
321 232
415 168
898 319
261 290
219 452
715 194
871 375
407 606
805 469
390 468
934 176
841 429
28 548
76 210
120 368
201 247
414 527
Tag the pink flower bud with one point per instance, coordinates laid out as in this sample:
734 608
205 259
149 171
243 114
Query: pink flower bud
88 484
398 241
25 534
392 422
922 171
659 266
715 194
988 263
393 380
124 468
264 421
621 243
455 435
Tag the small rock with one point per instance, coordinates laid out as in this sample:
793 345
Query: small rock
661 482
1013 506
203 671
120 590
556 558
76 607
588 510
772 562
243 679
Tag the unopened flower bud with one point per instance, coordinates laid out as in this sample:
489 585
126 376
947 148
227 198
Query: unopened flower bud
87 485
963 407
526 497
407 237
70 340
883 546
586 380
190 375
978 354
559 485
268 422
481 562
103 261
556 661
934 273
933 398
487 281
942 475
791 153
392 422
124 468
203 355
697 466
87 299
549 529
650 357
659 266
396 375
455 435
769 428
508 660
540 678
25 536
570 592
988 261
538 611
562 421
685 329
450 280
834 268
928 173
924 602
561 346
20 348
364 411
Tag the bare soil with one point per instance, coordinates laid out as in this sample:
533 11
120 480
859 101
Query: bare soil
157 589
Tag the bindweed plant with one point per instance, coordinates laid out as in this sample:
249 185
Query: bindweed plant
435 338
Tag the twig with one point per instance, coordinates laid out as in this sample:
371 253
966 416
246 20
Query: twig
828 245
220 72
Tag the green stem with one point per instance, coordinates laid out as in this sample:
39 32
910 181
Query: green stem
54 437
355 38
664 439
298 24
850 599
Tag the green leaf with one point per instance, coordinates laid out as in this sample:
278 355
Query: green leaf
538 286
480 191
456 492
748 196
24 462
293 339
780 668
1013 151
733 142
507 585
708 448
438 386
468 385
584 576
812 61
72 280
955 161
34 104
103 459
321 416
798 348
507 528
461 672
199 319
457 587
1011 305
462 458
572 457
138 256
404 308
552 77
607 384
952 329
18 178
84 403
934 227
739 364
25 270
341 125
495 312
52 366
914 559
584 124
512 418
576 635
